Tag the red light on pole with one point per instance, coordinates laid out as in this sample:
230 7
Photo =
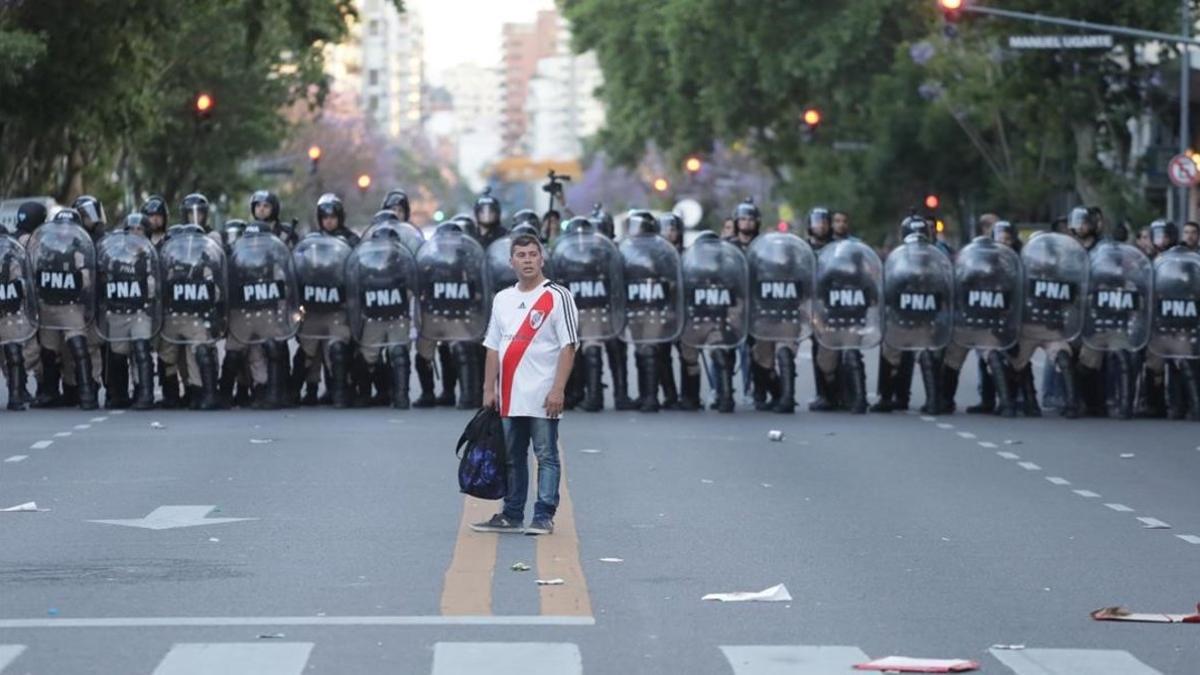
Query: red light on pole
951 9
932 202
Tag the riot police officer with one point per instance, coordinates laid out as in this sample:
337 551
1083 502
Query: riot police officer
155 216
765 381
396 201
320 261
1169 382
615 349
129 310
653 303
18 312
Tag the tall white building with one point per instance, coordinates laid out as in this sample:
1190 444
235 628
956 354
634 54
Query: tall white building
561 106
391 49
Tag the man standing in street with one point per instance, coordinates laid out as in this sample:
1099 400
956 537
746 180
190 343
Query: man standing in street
531 342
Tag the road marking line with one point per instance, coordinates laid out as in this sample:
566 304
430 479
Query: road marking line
1189 538
235 658
1029 466
41 445
117 412
1154 523
927 418
81 427
467 588
558 558
987 444
224 621
966 434
1119 507
1086 493
9 653
62 434
1071 661
944 425
16 458
507 658
97 419
790 659
1058 481
1008 455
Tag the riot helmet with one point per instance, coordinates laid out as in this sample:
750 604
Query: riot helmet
67 217
603 221
29 216
385 216
136 223
232 230
487 209
1083 222
527 217
578 224
640 221
397 200
1164 234
1005 234
915 225
467 224
330 206
90 210
270 200
747 219
156 213
524 228
671 226
194 209
448 227
820 223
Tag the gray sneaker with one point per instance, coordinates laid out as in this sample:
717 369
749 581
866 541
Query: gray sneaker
540 526
498 523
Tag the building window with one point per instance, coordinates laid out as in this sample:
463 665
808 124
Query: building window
373 77
373 27
373 103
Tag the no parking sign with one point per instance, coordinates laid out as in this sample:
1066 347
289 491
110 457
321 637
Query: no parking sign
1183 171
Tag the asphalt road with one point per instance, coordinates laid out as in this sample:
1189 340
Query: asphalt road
895 534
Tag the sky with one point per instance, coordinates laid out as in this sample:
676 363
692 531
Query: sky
459 31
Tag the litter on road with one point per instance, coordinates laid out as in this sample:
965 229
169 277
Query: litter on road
590 451
1122 614
906 664
1012 442
271 636
261 441
1008 646
550 582
612 560
27 507
775 435
157 425
520 567
1127 455
777 593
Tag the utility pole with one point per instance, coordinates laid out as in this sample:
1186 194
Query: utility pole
1185 95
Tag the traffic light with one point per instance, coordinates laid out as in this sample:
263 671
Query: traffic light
364 183
811 117
932 202
314 158
951 9
204 105
661 184
693 164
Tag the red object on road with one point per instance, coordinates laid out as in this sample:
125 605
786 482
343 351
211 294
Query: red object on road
1122 614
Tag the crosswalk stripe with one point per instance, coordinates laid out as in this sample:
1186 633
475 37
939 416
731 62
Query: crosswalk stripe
8 654
1072 661
793 659
507 658
235 658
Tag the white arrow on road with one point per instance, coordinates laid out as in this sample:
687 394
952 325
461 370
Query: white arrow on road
171 517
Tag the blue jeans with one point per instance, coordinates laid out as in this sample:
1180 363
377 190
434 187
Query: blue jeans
518 432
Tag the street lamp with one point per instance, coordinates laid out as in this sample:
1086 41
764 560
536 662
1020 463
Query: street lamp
314 158
364 183
693 164
204 105
661 184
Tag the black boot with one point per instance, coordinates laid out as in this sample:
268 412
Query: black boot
398 362
1066 366
785 363
427 399
14 364
206 363
449 375
593 380
1091 391
381 379
886 385
1152 402
929 379
723 364
49 394
902 381
759 386
281 392
618 367
647 370
298 378
666 378
170 388
949 387
116 386
339 375
231 368
987 388
1191 388
574 393
464 356
360 379
83 373
143 365
1000 381
1029 399
265 397
689 383
857 381
1125 384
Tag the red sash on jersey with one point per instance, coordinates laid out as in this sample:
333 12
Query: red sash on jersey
520 342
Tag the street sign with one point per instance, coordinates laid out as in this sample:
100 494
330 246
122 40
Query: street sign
1183 171
1100 41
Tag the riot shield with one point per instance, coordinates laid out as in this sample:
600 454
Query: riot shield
129 298
987 295
918 288
1175 319
781 287
1056 275
1118 303
454 287
18 310
381 274
407 233
64 272
653 289
263 298
716 290
590 266
320 262
849 288
193 273
499 256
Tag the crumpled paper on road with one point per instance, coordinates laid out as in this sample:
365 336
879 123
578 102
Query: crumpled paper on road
777 593
27 507
907 664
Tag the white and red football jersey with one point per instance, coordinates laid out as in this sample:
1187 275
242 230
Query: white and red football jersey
529 329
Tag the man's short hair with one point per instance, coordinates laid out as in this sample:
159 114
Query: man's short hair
1192 223
525 240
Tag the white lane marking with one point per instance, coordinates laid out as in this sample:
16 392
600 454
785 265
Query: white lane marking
1086 493
987 444
790 659
1119 507
927 418
222 621
1072 661
9 653
1189 538
507 658
1029 466
1154 524
16 458
235 658
966 434
81 427
41 445
944 425
171 517
62 434
1008 455
97 419
1058 481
